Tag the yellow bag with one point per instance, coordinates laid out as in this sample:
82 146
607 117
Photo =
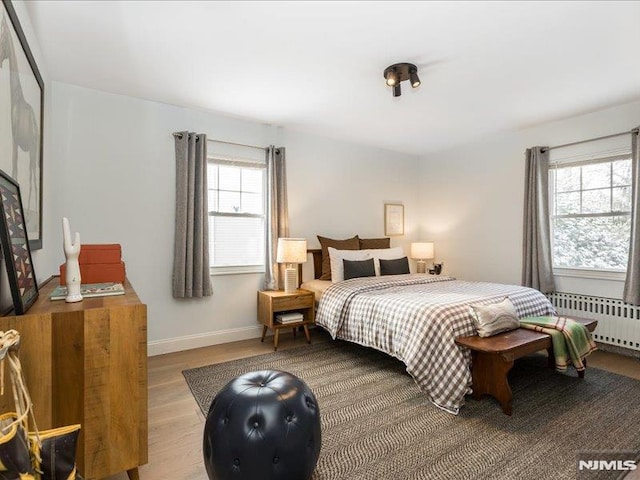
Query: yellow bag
15 458
46 455
55 453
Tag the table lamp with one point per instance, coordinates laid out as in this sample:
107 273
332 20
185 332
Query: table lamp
291 251
422 251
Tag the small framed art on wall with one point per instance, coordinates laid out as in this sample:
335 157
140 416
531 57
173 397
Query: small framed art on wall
393 219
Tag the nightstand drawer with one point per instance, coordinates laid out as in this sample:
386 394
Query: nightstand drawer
291 302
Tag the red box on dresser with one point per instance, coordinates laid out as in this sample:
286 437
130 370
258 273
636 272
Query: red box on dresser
101 253
97 273
100 263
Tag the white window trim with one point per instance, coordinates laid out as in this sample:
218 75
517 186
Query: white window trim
606 158
249 163
239 270
577 272
615 275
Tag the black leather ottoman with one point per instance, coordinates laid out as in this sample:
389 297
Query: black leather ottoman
263 425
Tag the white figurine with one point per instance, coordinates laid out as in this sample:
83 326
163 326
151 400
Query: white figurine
71 252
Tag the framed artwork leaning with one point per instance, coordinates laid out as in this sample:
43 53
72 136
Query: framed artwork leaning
15 246
21 118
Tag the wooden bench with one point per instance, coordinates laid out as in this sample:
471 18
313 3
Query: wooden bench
493 357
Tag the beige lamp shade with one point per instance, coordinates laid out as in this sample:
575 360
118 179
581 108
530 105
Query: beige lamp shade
422 250
291 250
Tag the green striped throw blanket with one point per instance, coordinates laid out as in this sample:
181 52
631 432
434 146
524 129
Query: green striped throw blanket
570 339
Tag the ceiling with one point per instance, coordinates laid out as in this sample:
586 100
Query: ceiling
485 67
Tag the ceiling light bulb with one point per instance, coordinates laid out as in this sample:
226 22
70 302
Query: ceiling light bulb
392 78
413 76
397 91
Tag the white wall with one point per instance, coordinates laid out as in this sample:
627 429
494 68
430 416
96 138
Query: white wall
338 189
472 199
114 178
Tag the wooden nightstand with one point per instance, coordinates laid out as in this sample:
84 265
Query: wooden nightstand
271 302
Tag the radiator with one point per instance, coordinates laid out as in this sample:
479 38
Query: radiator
618 322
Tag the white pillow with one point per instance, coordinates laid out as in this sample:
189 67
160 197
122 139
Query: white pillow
336 257
385 254
494 318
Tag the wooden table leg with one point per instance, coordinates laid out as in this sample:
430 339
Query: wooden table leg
551 359
581 373
133 474
275 338
306 333
489 372
264 332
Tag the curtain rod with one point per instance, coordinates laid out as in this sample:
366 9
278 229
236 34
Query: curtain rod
179 135
635 130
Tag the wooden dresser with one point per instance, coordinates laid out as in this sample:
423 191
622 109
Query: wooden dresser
86 363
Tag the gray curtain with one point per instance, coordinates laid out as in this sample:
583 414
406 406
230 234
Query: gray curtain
277 214
632 283
536 249
191 248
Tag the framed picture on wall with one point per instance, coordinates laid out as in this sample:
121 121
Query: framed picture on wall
15 246
21 115
393 219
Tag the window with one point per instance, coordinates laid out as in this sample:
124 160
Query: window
236 212
591 213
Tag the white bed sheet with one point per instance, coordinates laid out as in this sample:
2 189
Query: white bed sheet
317 287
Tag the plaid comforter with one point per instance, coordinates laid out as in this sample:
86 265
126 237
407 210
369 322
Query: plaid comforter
416 319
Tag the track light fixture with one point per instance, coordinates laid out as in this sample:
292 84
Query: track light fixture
399 72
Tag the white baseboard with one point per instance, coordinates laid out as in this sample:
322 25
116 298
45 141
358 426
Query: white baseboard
178 344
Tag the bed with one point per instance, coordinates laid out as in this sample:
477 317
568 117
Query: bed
416 318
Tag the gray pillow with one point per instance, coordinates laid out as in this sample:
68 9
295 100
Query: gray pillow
358 268
397 266
494 318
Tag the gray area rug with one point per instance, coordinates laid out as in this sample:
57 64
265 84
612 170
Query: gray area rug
376 424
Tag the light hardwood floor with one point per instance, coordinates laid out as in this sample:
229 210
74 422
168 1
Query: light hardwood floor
176 423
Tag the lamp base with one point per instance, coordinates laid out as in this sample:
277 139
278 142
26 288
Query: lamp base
422 266
290 279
